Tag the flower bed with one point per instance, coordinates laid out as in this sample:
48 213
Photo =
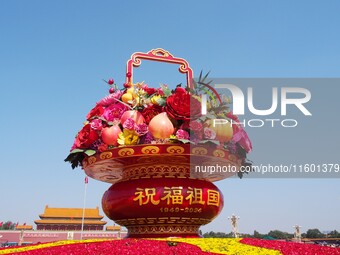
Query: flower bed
230 246
290 248
127 246
190 246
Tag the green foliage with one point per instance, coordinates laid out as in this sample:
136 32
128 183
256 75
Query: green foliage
257 234
334 234
166 90
75 158
90 152
213 234
277 234
314 233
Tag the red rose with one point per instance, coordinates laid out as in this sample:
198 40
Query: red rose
86 137
150 91
98 110
180 90
182 106
196 126
150 112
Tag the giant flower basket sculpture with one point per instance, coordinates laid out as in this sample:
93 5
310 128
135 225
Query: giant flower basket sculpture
157 150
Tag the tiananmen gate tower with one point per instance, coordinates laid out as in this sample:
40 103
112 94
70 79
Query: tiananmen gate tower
70 219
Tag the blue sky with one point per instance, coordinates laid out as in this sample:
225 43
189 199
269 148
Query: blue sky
54 55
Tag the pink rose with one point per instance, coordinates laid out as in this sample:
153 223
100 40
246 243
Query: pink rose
114 111
182 134
141 129
96 124
209 133
129 124
110 99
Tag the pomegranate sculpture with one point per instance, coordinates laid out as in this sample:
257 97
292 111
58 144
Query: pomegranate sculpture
157 149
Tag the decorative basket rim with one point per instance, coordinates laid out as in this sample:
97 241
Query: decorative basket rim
109 165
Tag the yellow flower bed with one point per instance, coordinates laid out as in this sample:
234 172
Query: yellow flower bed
46 245
230 246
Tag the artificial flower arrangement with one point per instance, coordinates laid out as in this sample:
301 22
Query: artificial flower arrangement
139 114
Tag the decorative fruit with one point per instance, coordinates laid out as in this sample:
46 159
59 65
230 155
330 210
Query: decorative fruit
131 90
126 97
110 82
110 135
135 115
160 126
222 128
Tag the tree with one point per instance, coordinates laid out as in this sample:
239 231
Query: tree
277 234
314 233
215 234
334 234
257 234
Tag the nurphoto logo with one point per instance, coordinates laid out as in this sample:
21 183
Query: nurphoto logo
295 96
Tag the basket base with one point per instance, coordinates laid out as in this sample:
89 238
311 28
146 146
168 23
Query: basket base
163 231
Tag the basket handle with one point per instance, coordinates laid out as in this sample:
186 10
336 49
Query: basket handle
160 55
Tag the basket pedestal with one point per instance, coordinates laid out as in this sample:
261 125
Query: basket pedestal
153 192
162 207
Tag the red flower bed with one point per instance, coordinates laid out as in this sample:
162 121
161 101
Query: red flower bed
291 248
121 247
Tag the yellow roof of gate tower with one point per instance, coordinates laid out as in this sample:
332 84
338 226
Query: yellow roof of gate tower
24 227
53 215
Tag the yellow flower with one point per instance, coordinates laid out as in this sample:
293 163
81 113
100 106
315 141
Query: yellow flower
139 84
230 246
47 245
154 99
128 137
209 102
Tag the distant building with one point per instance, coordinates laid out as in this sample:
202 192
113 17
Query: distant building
114 228
70 219
24 227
